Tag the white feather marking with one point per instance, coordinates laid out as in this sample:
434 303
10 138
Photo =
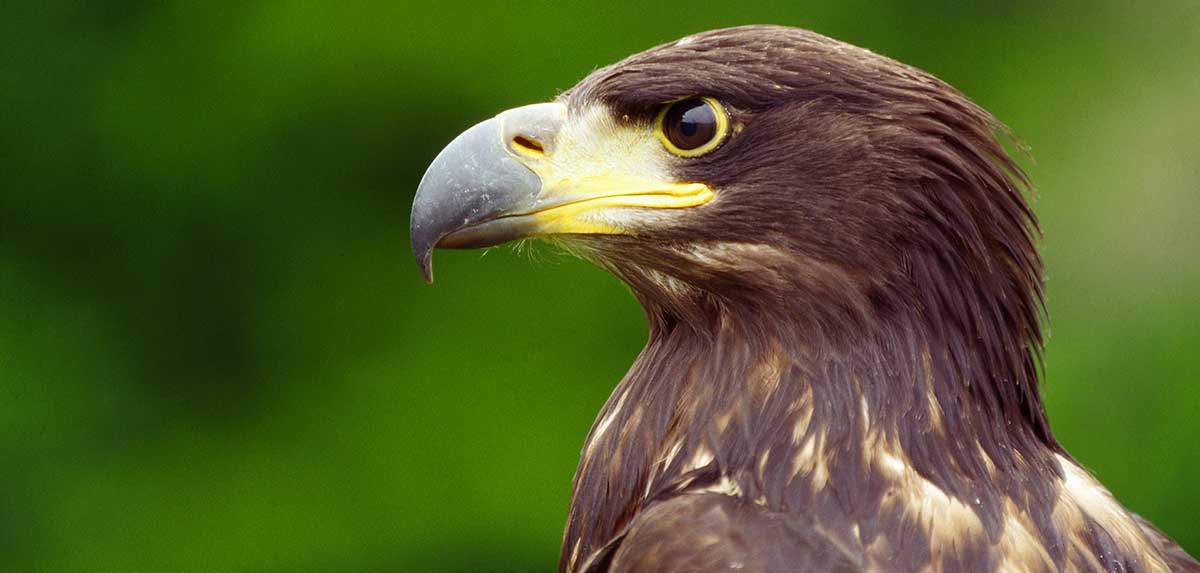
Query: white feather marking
1082 495
700 459
607 421
892 464
726 486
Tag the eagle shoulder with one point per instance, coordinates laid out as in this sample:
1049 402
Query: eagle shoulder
1176 558
715 532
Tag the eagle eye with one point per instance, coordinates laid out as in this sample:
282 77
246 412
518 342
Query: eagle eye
692 126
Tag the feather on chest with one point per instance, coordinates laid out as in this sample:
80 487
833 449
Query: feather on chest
892 490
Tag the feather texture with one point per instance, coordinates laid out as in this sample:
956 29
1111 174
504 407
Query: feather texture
844 353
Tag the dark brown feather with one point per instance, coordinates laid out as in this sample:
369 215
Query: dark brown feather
864 288
699 533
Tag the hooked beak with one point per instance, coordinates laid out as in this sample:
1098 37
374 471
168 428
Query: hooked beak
527 172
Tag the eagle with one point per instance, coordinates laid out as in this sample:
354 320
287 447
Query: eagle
839 270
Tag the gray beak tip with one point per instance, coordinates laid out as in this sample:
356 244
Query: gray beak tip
475 181
426 265
422 249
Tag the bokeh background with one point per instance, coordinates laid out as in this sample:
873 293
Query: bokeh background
216 353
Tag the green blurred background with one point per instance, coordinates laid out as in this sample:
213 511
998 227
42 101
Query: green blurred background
216 353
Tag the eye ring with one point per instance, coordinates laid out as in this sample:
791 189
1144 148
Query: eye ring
692 126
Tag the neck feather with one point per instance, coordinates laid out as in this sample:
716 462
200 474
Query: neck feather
771 413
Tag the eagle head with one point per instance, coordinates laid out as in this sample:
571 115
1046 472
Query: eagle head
766 172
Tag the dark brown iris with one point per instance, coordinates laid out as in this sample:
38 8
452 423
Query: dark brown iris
690 124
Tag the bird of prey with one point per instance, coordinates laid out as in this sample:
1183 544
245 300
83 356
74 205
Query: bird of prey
838 266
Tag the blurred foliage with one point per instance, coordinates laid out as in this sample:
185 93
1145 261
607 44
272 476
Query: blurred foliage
217 354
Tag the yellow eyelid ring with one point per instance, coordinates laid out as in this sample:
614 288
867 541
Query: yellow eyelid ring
722 127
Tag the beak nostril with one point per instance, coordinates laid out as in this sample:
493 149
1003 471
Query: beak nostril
528 146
